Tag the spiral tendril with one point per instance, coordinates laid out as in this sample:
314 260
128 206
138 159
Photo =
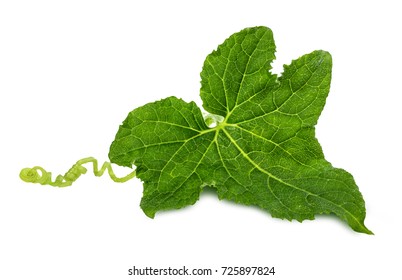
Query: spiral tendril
39 175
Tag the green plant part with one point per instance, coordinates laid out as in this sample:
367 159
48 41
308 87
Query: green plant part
255 146
39 175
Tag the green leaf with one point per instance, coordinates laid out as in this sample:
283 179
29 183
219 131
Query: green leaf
263 152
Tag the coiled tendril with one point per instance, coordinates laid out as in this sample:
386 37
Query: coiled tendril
39 175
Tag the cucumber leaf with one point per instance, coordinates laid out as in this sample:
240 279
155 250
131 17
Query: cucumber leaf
262 150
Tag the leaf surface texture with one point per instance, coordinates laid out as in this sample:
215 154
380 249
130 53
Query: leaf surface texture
264 151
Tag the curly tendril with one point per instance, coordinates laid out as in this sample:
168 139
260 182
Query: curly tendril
39 175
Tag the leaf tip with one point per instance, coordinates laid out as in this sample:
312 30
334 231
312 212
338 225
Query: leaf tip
361 228
365 230
149 214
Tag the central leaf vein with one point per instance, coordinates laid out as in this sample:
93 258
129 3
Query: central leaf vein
245 155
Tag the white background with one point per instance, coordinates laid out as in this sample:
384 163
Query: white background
70 71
